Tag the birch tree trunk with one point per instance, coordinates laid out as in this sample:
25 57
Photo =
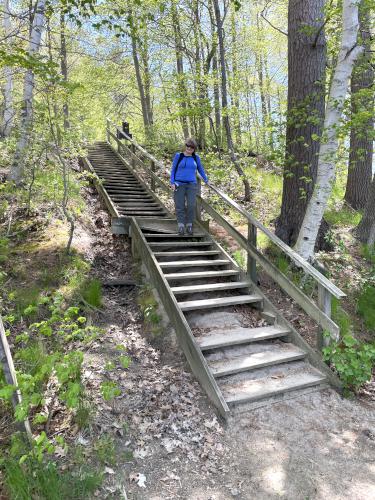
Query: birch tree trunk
6 363
349 51
224 100
8 113
17 169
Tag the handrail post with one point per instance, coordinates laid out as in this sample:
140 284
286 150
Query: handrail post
251 262
107 131
132 149
153 170
325 304
198 206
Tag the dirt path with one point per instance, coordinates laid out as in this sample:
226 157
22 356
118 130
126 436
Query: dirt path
170 444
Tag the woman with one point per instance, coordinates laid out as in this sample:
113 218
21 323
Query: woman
184 184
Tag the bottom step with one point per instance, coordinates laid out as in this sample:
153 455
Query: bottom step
245 388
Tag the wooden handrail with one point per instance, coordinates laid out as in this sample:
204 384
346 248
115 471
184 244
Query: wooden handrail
294 256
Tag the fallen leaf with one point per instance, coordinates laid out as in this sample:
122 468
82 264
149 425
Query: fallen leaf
139 479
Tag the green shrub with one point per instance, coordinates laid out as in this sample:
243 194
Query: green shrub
44 481
92 293
240 257
366 306
346 216
341 318
368 253
352 359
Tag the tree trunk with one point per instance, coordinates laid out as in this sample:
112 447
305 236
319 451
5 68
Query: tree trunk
147 81
224 101
17 169
361 134
138 74
235 79
64 67
305 113
365 231
8 114
199 76
349 51
182 90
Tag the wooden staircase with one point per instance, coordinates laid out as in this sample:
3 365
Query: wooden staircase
196 278
249 364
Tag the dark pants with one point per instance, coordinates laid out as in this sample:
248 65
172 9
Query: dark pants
184 192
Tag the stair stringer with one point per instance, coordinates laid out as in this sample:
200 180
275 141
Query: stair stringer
189 345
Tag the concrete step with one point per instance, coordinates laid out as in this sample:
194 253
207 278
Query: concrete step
232 361
269 381
201 274
212 287
223 338
219 302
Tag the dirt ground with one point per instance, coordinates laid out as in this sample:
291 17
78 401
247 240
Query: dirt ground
170 443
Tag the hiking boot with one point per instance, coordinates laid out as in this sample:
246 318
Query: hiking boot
181 229
189 229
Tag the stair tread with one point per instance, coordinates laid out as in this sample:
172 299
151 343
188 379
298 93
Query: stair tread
210 287
173 235
235 390
239 335
186 253
218 302
194 263
180 244
282 353
201 274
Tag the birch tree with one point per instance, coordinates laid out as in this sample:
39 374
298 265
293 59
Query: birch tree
8 113
17 169
349 52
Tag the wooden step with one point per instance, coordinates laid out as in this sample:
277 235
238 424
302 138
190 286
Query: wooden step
240 335
201 274
231 285
172 235
139 213
261 388
194 263
175 244
284 354
187 253
219 302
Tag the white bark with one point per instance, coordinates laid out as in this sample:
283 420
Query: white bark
349 51
16 173
8 114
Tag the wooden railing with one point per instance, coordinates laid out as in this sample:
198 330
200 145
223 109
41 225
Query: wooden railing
320 312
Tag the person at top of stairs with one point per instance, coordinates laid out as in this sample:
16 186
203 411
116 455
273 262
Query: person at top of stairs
184 184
